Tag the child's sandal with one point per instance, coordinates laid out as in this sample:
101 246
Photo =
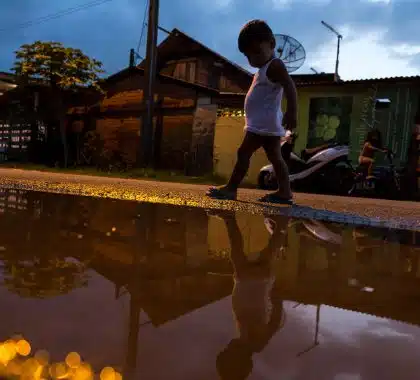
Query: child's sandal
216 193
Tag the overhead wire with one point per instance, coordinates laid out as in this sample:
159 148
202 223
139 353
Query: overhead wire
146 7
56 15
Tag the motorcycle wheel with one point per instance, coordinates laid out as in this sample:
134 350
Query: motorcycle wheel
391 189
347 184
266 181
342 180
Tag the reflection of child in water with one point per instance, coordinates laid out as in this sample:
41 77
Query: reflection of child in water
257 310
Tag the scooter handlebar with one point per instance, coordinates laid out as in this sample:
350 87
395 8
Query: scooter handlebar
292 134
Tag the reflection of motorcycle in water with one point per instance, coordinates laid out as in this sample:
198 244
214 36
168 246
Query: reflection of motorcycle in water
367 244
321 232
325 168
352 270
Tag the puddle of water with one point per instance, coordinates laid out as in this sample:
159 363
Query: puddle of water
166 292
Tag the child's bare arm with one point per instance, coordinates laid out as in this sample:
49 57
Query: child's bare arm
370 146
277 73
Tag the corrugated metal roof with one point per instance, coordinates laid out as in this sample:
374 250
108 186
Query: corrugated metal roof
413 78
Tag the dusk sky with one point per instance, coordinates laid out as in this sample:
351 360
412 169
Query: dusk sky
381 37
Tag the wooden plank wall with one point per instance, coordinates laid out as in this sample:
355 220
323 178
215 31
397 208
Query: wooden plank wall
176 141
119 121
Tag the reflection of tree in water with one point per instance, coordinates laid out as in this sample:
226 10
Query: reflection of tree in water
38 263
43 277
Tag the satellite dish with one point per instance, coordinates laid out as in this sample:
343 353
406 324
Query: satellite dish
290 51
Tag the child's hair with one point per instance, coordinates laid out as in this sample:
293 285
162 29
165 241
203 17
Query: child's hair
374 137
254 31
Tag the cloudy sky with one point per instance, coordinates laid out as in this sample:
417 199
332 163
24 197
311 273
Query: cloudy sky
381 37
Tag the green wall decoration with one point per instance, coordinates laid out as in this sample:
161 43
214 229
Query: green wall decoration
329 119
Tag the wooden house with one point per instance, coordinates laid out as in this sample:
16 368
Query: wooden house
104 130
193 84
185 58
185 114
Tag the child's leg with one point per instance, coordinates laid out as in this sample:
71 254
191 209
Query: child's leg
368 162
272 149
278 239
250 144
370 168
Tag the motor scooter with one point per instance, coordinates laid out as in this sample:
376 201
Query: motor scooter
386 182
325 168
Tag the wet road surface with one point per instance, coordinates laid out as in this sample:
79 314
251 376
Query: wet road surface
361 211
160 291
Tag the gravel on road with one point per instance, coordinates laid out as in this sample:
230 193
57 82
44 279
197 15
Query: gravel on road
365 211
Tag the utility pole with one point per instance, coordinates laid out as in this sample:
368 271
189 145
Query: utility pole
339 38
146 146
132 58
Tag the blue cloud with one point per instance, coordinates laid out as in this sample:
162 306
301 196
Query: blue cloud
107 32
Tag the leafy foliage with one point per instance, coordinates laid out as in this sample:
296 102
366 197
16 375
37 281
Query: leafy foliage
57 65
61 69
109 151
42 277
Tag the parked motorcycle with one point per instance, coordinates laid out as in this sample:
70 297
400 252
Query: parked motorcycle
325 168
386 182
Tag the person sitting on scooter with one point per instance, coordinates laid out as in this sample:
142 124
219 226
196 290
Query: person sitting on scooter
372 144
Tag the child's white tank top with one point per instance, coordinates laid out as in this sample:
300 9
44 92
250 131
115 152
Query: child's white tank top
263 114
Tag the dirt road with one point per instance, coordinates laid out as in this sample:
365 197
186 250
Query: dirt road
373 212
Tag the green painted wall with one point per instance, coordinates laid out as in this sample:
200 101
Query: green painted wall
396 125
305 95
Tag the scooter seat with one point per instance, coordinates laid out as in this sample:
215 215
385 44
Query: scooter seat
310 152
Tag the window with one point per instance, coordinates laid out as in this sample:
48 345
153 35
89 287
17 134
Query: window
223 84
191 71
185 70
180 70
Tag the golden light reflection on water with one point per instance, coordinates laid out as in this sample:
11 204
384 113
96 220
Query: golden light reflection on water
15 363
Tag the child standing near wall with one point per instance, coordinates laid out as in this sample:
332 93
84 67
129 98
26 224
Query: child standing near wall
372 144
263 115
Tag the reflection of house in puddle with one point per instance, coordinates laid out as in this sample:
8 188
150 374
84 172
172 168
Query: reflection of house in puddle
173 260
11 199
157 253
160 256
372 271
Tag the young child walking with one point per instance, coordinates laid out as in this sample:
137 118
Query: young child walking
264 121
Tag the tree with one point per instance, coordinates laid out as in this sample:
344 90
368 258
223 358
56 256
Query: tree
43 277
60 68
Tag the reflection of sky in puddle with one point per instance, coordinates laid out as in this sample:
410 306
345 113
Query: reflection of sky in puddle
169 269
349 326
347 376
